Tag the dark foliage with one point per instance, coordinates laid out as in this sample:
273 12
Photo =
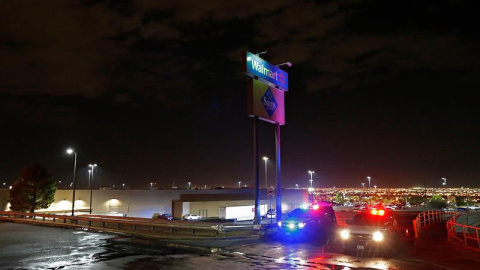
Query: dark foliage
34 189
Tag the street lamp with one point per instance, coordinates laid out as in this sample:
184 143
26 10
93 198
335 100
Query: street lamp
71 151
296 186
311 177
239 182
444 181
151 185
266 183
123 185
363 185
289 64
189 185
368 177
92 169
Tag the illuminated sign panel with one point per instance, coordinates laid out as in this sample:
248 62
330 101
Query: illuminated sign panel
256 67
266 102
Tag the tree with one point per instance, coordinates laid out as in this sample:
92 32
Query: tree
33 190
339 198
437 202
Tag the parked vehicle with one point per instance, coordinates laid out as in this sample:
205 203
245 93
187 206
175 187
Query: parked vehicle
271 213
191 217
165 216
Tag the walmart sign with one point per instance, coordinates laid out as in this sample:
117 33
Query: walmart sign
265 72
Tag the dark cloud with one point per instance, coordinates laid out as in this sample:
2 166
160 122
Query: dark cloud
153 80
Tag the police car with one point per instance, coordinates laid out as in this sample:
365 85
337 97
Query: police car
372 231
316 220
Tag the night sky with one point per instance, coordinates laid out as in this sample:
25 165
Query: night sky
153 91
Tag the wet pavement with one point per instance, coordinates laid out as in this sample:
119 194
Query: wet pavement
24 246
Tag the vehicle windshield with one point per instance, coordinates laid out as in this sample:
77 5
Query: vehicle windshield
367 219
298 213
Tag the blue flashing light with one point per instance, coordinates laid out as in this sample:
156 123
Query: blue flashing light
291 226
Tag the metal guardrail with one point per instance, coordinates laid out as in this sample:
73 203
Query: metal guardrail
121 223
464 234
430 217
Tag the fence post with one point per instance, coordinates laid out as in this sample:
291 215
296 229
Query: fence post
415 228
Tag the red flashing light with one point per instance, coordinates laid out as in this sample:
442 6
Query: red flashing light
379 212
315 206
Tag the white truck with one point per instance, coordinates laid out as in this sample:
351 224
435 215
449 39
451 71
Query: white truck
240 213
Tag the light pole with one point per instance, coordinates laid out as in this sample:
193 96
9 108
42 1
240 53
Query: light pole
151 185
71 151
90 185
368 177
189 185
363 191
239 182
123 185
296 186
444 181
92 169
311 177
266 181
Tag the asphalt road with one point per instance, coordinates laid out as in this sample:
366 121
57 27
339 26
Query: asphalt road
25 246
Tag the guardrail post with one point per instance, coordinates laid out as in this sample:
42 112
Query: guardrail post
478 240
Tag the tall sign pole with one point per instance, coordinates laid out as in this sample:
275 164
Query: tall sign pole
278 205
266 86
257 174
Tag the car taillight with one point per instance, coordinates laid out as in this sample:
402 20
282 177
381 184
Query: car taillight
378 212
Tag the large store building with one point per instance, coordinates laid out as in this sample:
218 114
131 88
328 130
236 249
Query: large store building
178 202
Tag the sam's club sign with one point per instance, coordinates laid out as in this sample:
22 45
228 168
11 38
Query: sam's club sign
266 102
267 73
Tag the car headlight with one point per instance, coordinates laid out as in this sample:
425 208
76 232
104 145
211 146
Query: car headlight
301 225
345 234
279 224
377 236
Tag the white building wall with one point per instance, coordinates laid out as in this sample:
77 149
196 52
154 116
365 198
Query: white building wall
144 203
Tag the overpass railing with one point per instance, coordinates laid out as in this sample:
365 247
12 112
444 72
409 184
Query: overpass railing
141 225
427 218
463 229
